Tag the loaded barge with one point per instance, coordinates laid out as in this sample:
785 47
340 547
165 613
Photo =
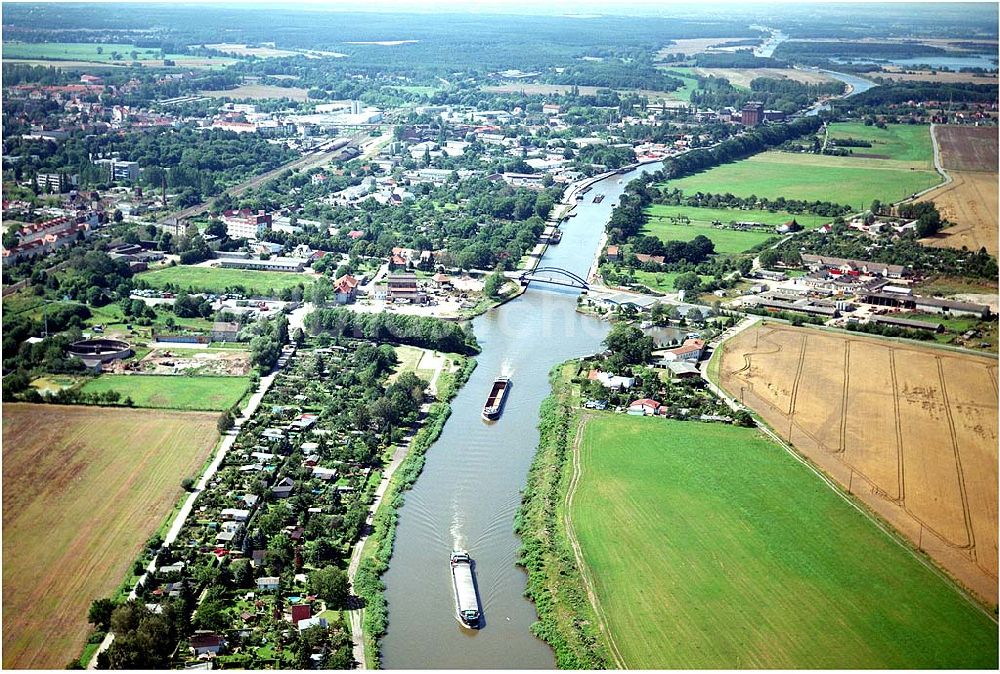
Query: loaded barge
496 399
466 600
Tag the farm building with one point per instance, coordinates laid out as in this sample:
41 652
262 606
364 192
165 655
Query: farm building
933 305
223 331
848 266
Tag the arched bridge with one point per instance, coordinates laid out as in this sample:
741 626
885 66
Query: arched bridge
554 275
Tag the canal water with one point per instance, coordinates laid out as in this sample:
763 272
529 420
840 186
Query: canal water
471 485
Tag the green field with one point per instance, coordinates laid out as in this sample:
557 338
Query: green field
726 241
662 281
215 280
690 83
850 181
88 51
711 547
177 392
904 142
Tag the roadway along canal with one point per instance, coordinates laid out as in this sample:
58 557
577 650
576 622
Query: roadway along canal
470 486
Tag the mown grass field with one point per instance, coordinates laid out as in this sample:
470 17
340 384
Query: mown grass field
662 281
213 279
176 392
851 181
711 547
903 142
84 488
726 241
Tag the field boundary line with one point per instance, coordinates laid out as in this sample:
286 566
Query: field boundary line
900 463
576 461
966 515
886 529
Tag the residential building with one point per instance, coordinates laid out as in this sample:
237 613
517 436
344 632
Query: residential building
56 183
691 350
346 289
245 224
206 643
644 407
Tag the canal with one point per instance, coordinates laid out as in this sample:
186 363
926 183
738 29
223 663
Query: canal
470 487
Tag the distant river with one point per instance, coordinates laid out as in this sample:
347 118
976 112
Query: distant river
471 485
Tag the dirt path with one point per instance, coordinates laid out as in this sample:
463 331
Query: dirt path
356 615
575 460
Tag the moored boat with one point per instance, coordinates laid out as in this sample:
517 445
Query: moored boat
496 399
555 237
466 599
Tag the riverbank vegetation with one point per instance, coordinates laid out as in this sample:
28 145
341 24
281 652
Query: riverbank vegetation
429 333
377 552
566 618
720 508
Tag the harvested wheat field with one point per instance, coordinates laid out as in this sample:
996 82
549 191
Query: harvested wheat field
910 430
83 489
969 154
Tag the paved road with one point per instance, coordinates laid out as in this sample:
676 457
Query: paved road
224 446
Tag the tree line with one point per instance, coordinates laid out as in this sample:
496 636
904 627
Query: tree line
421 331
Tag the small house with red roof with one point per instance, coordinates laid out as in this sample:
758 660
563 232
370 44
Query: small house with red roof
644 408
301 612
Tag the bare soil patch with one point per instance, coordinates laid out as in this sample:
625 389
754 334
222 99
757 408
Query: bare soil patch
911 431
83 489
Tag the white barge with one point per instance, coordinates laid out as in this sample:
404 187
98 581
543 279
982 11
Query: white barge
466 600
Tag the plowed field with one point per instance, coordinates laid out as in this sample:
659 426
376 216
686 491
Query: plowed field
83 489
911 431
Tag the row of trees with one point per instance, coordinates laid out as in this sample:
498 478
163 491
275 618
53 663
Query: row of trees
675 197
430 333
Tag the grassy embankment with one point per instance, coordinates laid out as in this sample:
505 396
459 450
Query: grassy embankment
378 548
566 618
179 392
215 280
711 547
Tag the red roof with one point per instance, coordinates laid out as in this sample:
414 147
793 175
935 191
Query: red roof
301 612
646 402
345 283
355 234
396 259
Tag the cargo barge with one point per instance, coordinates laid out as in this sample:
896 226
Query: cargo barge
496 399
466 599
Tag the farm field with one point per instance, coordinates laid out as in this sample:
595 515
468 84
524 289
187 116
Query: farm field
842 180
971 200
709 547
905 142
217 280
726 241
260 91
103 53
177 392
911 430
910 75
696 45
742 77
80 499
